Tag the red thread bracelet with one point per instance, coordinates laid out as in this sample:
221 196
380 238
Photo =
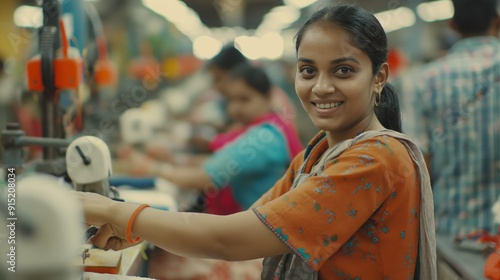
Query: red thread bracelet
128 232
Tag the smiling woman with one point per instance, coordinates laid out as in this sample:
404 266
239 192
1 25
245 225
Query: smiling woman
342 72
357 203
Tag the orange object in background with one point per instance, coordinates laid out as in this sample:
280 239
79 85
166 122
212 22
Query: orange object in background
34 74
68 70
67 73
397 61
145 67
180 66
105 72
492 266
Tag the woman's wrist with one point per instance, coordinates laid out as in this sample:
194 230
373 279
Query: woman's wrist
118 213
113 209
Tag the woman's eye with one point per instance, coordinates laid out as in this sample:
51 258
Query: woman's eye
343 70
307 71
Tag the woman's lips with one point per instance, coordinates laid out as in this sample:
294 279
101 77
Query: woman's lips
327 107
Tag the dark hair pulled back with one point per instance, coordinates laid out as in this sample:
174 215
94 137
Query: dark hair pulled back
366 34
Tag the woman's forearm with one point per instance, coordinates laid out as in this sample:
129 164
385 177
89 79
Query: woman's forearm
240 236
186 177
185 234
193 160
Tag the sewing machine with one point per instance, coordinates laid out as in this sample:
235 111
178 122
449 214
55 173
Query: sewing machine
88 165
45 233
49 224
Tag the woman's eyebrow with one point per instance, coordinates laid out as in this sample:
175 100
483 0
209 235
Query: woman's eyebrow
335 61
344 59
306 60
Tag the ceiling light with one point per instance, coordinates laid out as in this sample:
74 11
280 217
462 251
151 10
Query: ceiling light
299 3
249 46
272 44
283 14
269 46
434 11
205 47
28 16
396 19
178 13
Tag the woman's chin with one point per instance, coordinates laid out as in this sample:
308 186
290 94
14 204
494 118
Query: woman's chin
325 125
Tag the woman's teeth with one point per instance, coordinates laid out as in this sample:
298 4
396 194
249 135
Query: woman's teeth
327 105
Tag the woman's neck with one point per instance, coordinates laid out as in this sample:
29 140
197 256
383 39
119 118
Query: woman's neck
369 123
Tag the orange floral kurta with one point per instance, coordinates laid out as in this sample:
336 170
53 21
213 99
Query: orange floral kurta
357 218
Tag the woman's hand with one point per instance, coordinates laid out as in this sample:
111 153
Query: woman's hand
111 237
97 210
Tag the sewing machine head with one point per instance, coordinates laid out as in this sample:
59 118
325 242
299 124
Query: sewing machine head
88 163
136 127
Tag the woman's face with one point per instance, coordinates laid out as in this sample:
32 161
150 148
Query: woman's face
334 81
245 104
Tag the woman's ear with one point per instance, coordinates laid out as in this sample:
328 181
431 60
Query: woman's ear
381 77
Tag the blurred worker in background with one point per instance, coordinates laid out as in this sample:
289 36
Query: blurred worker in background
219 68
454 118
245 164
249 158
228 58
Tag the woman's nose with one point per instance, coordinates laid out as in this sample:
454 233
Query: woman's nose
323 86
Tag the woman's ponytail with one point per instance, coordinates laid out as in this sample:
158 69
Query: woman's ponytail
387 110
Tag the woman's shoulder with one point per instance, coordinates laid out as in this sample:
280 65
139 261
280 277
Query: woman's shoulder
387 150
382 144
265 132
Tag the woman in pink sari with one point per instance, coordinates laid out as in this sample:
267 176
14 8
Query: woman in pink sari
223 202
244 164
247 160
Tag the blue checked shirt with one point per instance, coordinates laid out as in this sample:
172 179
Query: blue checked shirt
454 116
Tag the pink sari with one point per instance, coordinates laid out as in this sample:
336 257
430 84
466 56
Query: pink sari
223 202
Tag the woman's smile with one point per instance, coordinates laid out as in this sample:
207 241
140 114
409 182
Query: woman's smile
326 107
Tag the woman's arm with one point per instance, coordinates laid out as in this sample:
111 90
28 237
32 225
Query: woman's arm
186 177
239 236
250 154
190 160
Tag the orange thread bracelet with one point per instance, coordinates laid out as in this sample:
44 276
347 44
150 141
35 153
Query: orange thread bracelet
128 232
